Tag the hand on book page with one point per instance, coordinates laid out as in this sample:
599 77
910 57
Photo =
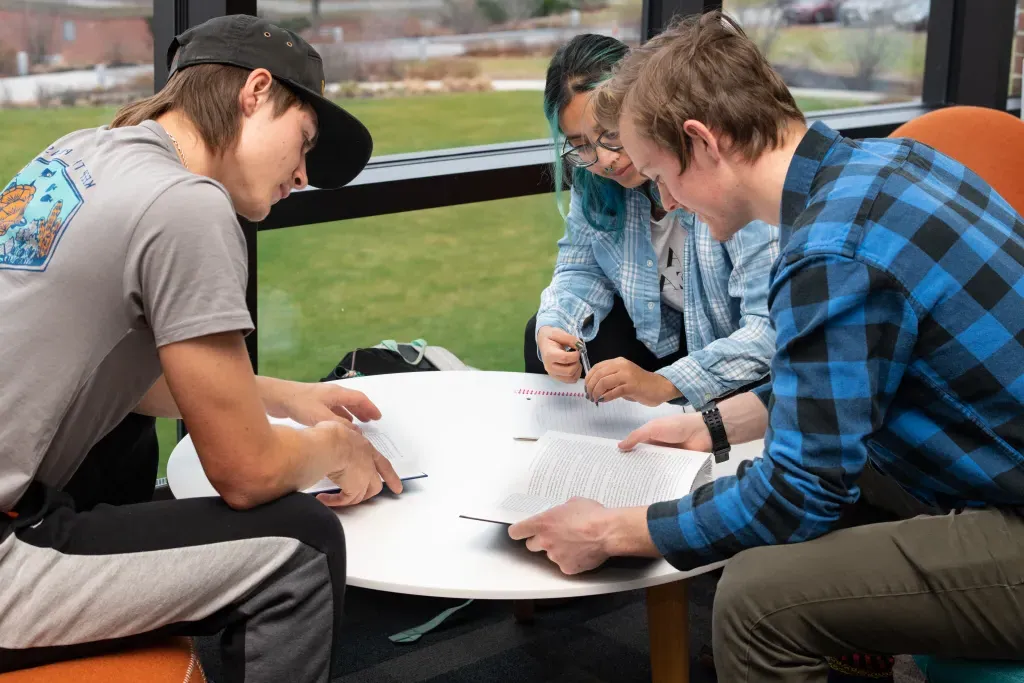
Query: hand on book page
362 471
581 534
686 431
402 464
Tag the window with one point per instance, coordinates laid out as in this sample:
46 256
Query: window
1018 51
838 54
79 65
430 75
464 277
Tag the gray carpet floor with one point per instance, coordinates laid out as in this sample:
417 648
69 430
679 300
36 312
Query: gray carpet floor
592 640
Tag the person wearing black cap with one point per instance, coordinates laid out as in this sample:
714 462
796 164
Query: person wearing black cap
123 272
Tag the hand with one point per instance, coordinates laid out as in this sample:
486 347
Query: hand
686 431
570 534
361 470
621 378
560 364
309 403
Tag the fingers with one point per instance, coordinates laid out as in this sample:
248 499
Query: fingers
562 337
596 374
340 499
556 355
674 430
523 529
534 545
387 472
319 412
620 391
562 373
345 401
606 384
637 436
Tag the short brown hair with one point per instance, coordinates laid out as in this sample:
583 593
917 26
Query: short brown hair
208 95
702 67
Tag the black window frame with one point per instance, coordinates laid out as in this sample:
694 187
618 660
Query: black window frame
967 62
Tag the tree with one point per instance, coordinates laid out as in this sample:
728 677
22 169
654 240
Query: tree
462 16
868 47
38 37
762 21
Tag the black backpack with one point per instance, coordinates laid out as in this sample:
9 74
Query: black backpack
390 356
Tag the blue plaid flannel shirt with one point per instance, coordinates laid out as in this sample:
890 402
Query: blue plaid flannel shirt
898 305
729 339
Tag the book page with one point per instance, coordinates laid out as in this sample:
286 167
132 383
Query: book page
536 412
404 466
569 465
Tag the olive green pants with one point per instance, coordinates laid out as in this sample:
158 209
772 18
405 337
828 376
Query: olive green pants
942 584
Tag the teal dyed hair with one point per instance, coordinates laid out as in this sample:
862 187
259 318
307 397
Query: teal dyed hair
579 66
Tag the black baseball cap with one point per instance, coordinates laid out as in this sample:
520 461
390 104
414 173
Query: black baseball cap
343 144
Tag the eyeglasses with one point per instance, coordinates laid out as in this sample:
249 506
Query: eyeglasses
585 155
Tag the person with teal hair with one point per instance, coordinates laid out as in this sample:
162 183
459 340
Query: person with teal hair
667 313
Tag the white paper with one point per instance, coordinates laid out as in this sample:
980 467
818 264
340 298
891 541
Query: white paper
537 411
569 465
405 467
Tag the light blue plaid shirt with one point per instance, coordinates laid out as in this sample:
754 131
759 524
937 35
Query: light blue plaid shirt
729 339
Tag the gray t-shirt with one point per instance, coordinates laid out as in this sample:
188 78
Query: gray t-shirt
109 249
669 239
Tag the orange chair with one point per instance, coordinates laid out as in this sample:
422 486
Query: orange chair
987 141
172 661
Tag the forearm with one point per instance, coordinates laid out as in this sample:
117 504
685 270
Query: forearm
290 460
745 418
158 401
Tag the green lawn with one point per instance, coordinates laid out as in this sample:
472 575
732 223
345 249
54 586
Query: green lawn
465 277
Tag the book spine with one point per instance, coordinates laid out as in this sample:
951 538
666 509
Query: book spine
537 392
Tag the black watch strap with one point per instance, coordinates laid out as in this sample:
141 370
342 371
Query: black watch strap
719 441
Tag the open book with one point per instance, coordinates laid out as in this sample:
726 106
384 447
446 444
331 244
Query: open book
537 411
405 467
568 465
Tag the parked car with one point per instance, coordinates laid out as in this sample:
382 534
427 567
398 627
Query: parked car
913 16
864 12
810 11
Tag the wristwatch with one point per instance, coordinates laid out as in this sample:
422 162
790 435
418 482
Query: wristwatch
719 441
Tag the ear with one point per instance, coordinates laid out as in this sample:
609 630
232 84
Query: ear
703 139
255 91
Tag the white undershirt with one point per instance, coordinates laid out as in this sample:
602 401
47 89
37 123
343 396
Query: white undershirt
669 239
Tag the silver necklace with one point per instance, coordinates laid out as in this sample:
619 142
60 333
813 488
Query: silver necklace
180 154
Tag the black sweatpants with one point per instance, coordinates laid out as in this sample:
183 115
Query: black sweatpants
76 583
616 338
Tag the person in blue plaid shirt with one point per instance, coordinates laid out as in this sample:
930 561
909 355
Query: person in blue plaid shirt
667 312
884 515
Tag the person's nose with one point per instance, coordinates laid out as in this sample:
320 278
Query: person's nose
300 180
668 202
607 158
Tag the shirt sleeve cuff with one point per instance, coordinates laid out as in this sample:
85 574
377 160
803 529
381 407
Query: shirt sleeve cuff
764 393
686 376
663 525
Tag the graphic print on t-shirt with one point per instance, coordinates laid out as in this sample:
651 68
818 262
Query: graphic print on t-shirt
668 237
35 209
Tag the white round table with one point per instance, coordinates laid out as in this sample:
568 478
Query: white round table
455 425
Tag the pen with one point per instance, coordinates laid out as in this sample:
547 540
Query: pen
581 347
